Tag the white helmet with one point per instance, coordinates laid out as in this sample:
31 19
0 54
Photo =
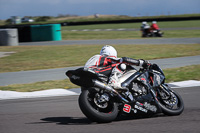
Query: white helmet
108 50
154 22
144 22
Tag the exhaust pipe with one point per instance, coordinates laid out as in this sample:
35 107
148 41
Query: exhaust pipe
108 88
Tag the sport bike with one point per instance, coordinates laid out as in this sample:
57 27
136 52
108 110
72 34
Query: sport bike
143 93
152 33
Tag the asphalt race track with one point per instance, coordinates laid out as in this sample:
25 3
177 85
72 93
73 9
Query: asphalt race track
62 115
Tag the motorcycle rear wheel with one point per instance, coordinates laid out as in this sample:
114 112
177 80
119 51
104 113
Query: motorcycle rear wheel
92 111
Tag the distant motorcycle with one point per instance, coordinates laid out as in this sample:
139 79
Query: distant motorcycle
144 93
153 33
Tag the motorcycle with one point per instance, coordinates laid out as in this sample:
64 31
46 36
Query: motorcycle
144 93
153 33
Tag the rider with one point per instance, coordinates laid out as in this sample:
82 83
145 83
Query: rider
154 26
145 28
107 63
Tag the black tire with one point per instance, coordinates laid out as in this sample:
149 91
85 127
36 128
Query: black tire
173 112
160 34
93 114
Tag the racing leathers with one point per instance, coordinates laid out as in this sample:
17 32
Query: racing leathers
112 66
154 27
145 29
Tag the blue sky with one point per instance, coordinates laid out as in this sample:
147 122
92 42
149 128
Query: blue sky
89 7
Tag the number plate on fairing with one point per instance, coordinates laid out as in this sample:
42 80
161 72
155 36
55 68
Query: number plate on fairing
141 107
127 108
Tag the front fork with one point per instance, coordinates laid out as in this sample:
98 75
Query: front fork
154 95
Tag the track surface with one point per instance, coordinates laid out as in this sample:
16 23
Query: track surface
62 115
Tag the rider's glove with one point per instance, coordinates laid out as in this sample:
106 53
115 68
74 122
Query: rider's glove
146 64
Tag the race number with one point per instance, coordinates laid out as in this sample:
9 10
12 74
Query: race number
127 108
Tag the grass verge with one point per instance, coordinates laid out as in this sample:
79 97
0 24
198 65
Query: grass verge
183 73
83 35
172 75
168 24
52 84
86 35
45 57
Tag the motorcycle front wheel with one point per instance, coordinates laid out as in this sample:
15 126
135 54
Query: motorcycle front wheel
172 103
96 108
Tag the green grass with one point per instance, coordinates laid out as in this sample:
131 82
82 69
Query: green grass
168 24
85 35
172 75
45 85
67 34
183 73
179 24
181 33
45 57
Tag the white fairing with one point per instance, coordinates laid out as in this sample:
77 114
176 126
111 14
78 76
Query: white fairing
146 27
92 61
126 75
